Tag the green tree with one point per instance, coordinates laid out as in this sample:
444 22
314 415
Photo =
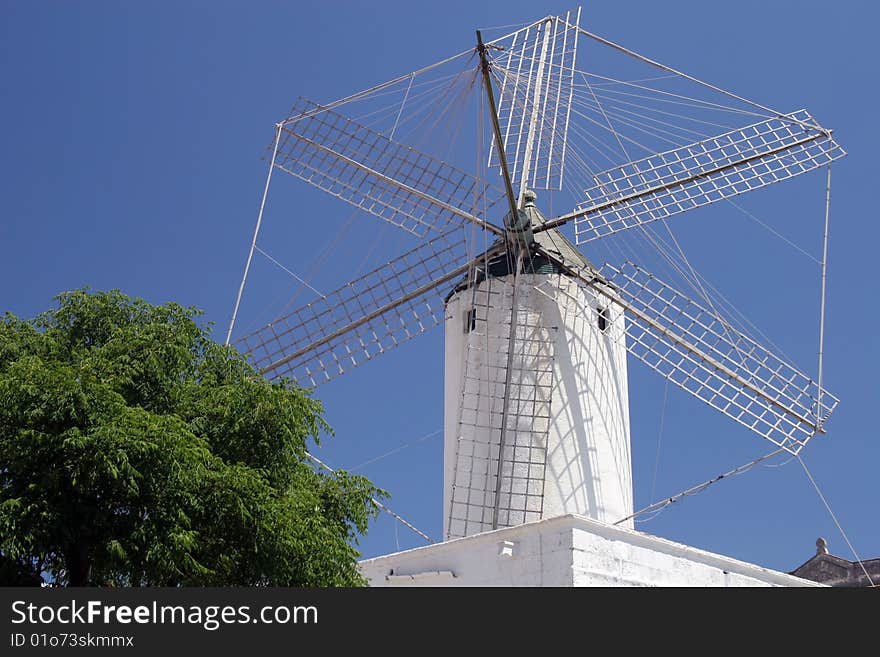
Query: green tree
136 451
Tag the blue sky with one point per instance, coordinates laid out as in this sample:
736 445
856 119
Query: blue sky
131 158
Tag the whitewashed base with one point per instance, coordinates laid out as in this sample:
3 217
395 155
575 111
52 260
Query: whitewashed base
567 550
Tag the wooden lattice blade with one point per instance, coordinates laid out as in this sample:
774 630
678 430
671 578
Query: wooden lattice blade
516 485
704 355
362 319
392 181
701 173
535 94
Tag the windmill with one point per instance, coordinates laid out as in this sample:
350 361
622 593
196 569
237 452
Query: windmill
537 336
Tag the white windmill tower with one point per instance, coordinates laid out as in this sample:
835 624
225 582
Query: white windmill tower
536 394
554 406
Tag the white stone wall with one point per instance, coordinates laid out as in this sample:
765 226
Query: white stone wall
588 467
567 551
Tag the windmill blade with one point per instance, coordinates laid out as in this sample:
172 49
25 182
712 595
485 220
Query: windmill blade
504 416
711 360
394 182
362 319
535 72
707 171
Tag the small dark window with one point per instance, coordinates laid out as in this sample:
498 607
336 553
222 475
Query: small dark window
602 319
470 320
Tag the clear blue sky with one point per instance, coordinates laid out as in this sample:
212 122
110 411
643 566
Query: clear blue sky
132 138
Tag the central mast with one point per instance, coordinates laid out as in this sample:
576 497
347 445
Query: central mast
515 219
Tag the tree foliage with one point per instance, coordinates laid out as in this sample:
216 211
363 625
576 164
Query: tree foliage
136 451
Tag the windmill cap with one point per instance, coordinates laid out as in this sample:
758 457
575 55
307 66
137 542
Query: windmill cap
553 241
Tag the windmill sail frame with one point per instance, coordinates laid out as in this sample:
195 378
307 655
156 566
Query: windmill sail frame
705 172
348 160
710 359
536 80
362 319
